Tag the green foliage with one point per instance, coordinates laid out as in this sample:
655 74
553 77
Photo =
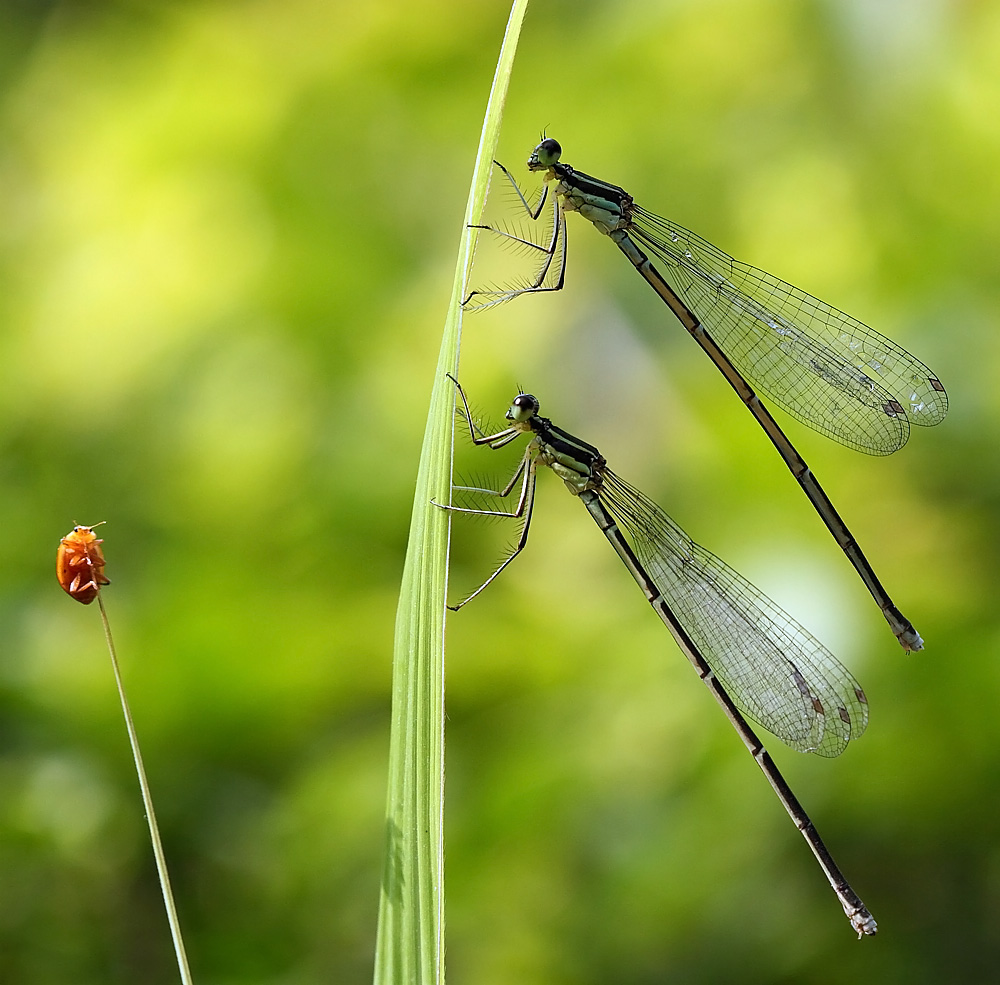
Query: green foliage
228 239
410 946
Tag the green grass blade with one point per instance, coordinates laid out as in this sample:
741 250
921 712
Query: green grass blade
410 943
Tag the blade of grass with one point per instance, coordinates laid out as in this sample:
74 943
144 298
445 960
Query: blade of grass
410 943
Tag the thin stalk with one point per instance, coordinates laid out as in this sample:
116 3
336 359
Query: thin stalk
147 801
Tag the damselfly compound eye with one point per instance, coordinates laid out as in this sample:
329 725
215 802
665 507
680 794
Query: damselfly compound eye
524 407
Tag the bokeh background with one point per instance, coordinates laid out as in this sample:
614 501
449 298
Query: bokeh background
227 239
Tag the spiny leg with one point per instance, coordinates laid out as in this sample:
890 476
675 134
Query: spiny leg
525 471
553 251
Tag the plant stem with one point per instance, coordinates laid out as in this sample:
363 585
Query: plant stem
147 800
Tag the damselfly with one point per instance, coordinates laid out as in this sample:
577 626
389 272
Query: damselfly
755 659
822 366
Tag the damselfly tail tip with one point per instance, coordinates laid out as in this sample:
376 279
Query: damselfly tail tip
909 638
862 921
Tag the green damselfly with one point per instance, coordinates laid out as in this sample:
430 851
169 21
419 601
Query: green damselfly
755 659
822 366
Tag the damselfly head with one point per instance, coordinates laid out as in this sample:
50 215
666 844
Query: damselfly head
524 408
544 155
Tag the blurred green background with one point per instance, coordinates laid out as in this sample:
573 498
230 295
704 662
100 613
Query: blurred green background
227 241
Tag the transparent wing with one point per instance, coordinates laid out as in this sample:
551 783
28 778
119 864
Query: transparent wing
821 365
775 671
